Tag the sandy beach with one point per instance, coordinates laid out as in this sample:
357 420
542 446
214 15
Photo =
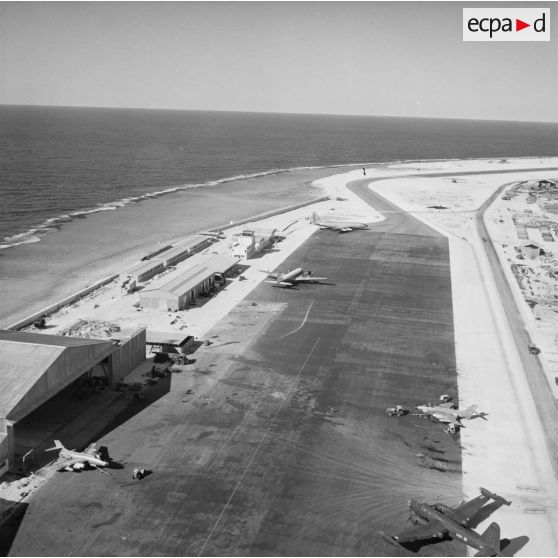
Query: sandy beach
86 250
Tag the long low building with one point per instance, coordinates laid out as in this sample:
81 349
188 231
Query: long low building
184 250
178 293
144 271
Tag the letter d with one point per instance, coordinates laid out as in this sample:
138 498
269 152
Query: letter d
542 22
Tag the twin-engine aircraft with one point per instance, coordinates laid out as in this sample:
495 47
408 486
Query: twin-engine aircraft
71 460
292 278
439 520
341 226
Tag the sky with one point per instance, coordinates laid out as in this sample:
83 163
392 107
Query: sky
368 58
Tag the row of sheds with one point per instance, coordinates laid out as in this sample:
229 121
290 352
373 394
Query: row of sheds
144 271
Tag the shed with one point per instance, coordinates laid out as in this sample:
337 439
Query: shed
185 249
168 342
530 249
175 294
144 271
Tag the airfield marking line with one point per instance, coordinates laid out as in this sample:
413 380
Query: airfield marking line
266 432
301 325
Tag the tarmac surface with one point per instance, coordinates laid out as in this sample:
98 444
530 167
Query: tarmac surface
277 442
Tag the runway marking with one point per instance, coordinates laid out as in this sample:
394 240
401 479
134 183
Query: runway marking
301 325
266 432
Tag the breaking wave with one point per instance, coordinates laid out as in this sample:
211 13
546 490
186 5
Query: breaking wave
55 223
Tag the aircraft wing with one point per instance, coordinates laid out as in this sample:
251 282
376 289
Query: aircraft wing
280 283
91 449
467 510
68 462
420 532
310 279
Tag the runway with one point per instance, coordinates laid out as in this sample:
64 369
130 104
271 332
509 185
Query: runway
284 448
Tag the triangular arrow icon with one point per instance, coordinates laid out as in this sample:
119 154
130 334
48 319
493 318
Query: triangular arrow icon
519 25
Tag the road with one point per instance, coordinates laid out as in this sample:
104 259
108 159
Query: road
546 404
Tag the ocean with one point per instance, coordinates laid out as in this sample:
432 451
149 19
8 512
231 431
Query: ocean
59 164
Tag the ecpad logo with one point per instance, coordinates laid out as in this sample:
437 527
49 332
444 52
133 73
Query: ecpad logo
506 24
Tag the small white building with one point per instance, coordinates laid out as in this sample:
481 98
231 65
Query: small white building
530 249
253 241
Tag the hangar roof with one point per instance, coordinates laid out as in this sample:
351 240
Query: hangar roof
194 275
34 367
42 339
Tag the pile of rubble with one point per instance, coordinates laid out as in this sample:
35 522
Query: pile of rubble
92 328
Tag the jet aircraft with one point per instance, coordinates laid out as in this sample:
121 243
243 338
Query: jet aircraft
71 460
341 226
292 278
439 520
445 413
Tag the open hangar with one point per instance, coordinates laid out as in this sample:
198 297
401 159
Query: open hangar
35 367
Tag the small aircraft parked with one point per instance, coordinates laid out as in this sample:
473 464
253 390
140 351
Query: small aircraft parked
439 520
294 277
445 413
71 460
341 226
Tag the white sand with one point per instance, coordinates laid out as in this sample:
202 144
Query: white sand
507 453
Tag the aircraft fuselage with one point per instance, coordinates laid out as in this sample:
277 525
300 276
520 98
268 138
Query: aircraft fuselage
455 530
68 454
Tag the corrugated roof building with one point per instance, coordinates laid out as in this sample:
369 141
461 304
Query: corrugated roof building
183 250
145 270
179 292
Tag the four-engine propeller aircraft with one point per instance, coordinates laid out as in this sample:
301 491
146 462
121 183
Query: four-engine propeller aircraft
445 413
292 278
71 460
341 226
439 520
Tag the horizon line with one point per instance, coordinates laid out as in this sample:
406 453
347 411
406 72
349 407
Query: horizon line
356 115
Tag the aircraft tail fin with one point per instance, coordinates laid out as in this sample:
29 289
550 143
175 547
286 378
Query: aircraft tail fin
491 539
57 445
314 217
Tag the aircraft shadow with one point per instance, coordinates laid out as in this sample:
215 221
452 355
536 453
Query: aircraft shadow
484 513
416 546
510 547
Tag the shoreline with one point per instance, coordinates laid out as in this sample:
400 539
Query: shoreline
36 232
84 251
